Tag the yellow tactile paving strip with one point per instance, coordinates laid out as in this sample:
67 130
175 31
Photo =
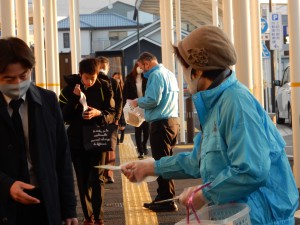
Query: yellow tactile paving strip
134 195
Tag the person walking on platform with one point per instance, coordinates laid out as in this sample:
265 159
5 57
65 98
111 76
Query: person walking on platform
161 110
36 179
135 87
100 111
121 123
238 153
118 99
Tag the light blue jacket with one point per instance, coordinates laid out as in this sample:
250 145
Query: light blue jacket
161 96
241 153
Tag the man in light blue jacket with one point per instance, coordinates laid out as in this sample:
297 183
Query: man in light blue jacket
238 152
161 111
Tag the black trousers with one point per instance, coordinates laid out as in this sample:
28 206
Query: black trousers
32 214
140 131
90 182
122 133
163 137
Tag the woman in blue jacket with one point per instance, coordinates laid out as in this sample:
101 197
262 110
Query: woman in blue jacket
238 151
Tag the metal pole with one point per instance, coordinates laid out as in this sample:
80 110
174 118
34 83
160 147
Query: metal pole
55 48
257 50
77 30
273 66
179 74
7 18
294 31
167 35
22 20
227 19
50 64
39 48
138 32
74 36
242 42
215 12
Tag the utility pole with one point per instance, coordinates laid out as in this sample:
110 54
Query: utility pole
138 32
136 17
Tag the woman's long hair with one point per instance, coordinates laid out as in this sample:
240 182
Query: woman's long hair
121 78
133 72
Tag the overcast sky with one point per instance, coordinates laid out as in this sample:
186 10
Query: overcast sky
86 6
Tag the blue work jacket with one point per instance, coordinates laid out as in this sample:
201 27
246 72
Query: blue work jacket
241 153
161 96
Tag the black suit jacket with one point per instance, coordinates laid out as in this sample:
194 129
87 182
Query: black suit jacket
118 97
50 154
117 94
99 96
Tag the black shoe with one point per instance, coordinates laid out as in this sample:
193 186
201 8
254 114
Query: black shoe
145 150
148 204
110 180
163 207
141 156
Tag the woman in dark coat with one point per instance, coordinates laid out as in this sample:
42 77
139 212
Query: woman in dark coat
100 111
134 87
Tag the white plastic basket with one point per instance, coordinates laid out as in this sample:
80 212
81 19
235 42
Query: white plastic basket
133 116
227 214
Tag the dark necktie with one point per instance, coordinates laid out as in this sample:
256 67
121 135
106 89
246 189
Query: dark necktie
17 121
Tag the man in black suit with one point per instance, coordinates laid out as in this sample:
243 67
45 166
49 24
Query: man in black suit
36 180
118 99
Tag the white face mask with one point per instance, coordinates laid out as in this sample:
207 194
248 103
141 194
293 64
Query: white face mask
103 71
139 70
192 83
15 91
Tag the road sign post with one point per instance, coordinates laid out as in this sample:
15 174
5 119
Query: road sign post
265 36
276 33
264 25
273 63
265 51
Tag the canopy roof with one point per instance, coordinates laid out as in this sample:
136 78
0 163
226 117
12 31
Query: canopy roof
193 12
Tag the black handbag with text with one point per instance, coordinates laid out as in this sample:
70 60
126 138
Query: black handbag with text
99 138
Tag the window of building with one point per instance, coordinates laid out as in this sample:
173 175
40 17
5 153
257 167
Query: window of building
115 36
66 37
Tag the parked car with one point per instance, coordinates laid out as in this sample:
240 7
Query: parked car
283 98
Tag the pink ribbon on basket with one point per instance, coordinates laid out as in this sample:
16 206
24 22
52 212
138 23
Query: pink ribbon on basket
190 204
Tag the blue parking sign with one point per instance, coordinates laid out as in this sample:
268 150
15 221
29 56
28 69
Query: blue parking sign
275 17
